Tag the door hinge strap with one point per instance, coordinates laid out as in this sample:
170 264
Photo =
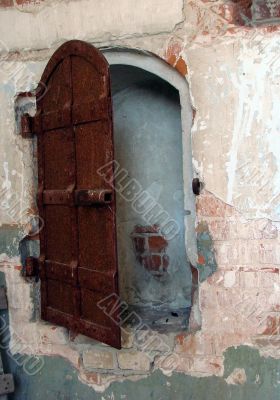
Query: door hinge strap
7 384
3 298
26 126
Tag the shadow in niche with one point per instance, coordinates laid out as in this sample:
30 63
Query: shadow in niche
154 273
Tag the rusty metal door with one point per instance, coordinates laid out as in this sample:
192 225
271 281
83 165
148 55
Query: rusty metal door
78 262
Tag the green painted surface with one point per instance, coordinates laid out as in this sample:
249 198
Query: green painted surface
58 381
207 264
10 237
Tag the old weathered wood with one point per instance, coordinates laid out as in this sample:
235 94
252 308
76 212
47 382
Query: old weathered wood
3 298
6 384
73 123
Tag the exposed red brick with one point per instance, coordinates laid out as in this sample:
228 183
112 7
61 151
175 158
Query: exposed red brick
92 377
150 249
147 229
236 12
151 262
272 28
173 57
172 60
210 206
180 338
157 244
28 2
272 325
266 9
139 243
189 345
181 66
172 53
12 3
6 3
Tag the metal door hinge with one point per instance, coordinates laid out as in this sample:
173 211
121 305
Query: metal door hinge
3 298
26 126
196 186
7 384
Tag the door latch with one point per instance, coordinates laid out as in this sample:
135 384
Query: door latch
93 197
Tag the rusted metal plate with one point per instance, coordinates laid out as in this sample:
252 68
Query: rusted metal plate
78 262
7 384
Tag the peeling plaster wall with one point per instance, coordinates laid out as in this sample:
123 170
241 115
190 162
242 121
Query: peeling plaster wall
245 74
234 82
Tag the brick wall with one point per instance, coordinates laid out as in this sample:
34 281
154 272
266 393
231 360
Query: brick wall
240 297
20 3
150 249
238 304
266 9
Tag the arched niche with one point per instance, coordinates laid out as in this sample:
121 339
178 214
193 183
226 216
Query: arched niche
152 116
